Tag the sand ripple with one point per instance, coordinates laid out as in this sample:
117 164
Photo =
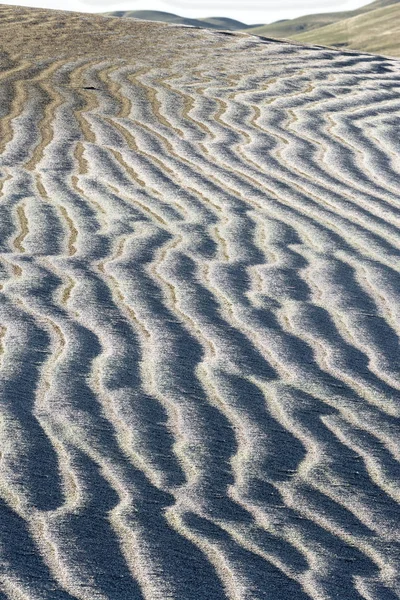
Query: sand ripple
199 315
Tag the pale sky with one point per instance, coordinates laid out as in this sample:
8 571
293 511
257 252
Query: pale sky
247 11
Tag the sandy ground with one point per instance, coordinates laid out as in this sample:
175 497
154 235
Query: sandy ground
199 315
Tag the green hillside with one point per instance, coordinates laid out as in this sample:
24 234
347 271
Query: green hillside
377 31
293 27
225 23
374 27
156 15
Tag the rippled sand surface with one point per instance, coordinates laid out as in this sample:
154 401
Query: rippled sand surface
199 316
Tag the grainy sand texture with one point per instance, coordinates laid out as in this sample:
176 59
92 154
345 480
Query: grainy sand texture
199 315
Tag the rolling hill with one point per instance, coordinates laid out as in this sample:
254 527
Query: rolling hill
373 28
293 27
377 31
155 15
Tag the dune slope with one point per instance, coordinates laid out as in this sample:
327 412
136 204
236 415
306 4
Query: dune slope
199 316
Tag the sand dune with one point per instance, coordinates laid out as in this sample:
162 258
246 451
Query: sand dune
199 318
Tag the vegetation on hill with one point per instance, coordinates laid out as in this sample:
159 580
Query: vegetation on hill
377 31
291 27
374 27
156 15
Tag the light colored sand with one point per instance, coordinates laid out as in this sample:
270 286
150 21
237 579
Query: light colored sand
199 317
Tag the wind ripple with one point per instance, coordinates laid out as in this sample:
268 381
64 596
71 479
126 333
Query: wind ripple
199 315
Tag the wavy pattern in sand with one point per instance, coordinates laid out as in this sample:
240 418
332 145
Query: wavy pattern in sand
199 318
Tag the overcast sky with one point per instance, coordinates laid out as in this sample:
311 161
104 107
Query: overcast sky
248 11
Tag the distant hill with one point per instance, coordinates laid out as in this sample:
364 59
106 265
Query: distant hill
156 15
374 27
377 31
293 27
